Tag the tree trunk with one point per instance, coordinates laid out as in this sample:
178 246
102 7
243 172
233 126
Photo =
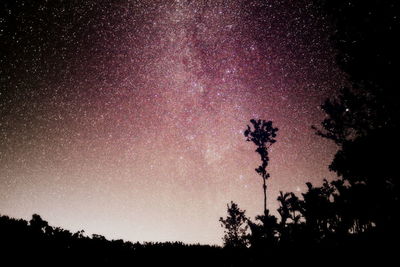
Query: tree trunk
265 197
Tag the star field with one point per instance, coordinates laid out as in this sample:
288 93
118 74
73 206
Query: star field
126 118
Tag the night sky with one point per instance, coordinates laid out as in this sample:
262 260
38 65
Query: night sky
126 118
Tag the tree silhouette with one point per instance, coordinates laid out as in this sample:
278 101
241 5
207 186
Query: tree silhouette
37 223
236 227
262 134
284 209
289 208
264 235
317 209
364 118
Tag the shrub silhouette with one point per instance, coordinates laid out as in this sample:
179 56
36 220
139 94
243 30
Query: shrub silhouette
236 227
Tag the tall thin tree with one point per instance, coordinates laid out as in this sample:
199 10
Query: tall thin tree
262 134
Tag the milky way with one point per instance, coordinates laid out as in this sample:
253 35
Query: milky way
126 118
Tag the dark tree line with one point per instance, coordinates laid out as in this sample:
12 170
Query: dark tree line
358 211
35 242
